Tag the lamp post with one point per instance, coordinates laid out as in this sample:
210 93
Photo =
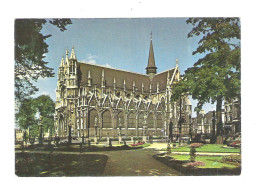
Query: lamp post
96 125
120 125
69 123
40 131
180 118
190 126
83 138
69 136
171 132
213 125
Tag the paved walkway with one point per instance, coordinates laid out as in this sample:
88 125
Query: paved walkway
138 162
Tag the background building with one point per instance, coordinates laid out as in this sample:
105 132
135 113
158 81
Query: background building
232 111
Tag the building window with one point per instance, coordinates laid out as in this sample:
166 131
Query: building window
150 121
140 120
159 121
131 120
120 119
92 114
107 120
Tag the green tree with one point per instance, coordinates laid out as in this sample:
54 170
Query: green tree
216 76
26 115
45 106
30 109
30 50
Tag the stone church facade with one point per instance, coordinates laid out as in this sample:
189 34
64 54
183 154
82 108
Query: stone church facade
100 101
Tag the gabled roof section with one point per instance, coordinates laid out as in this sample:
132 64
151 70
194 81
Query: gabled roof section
120 76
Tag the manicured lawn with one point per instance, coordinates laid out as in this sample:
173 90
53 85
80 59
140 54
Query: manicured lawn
210 161
208 148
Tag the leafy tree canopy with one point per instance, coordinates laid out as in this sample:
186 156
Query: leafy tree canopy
30 50
216 75
30 109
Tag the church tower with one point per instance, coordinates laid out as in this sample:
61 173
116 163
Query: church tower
151 68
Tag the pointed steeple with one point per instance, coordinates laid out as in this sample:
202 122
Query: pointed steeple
62 62
151 68
124 85
73 55
176 62
114 83
103 81
89 79
67 53
134 86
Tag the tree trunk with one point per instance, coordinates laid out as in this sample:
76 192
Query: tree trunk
219 116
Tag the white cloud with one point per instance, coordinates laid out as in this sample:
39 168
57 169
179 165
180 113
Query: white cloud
45 93
92 59
107 65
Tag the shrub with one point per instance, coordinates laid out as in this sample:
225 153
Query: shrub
168 149
192 154
231 159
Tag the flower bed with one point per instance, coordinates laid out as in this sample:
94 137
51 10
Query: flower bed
235 144
194 164
196 145
138 144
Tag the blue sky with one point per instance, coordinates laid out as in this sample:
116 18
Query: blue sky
123 44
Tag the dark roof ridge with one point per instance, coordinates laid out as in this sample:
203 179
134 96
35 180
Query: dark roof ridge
164 71
112 68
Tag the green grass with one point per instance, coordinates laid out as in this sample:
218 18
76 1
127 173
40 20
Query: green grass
208 148
210 161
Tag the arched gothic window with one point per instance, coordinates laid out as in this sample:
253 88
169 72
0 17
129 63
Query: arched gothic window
92 114
150 121
106 119
131 120
120 119
140 120
159 121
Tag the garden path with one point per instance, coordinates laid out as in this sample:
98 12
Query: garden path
138 162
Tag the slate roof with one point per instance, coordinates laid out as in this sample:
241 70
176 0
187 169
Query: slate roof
120 76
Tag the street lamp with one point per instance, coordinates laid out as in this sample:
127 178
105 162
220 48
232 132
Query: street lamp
190 126
40 131
180 118
69 136
120 125
96 127
213 125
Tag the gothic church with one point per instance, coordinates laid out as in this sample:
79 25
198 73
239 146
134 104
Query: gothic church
95 100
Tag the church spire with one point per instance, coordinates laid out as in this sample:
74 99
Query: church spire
73 55
62 62
151 68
